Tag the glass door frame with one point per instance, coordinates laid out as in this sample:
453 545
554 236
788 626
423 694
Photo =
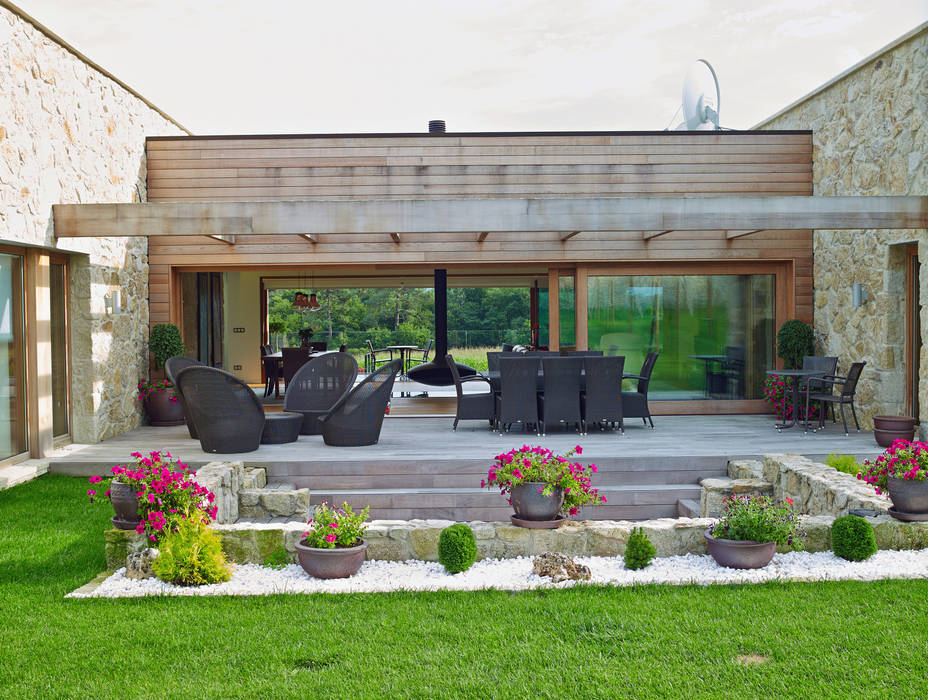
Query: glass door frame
913 330
23 334
64 260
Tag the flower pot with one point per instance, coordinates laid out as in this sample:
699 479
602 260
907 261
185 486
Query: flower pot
162 411
909 496
740 554
529 504
886 429
126 506
340 562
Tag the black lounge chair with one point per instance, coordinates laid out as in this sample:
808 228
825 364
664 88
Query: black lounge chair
848 386
471 406
635 403
518 392
356 419
172 367
602 399
318 385
560 402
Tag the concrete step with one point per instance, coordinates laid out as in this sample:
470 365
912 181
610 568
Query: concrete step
688 508
22 472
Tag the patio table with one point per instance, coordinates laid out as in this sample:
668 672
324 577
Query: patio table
493 377
708 359
274 363
796 374
404 351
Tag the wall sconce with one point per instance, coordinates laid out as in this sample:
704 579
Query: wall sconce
858 295
112 302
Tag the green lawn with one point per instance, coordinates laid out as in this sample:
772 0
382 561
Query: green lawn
821 640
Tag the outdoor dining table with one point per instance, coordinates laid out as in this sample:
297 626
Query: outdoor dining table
493 377
274 364
796 374
708 359
405 351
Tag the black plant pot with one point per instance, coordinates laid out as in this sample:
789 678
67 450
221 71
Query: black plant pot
162 411
126 506
529 504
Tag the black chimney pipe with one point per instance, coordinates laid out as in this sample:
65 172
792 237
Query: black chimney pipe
436 372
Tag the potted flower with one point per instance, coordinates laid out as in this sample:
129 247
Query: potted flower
159 398
305 335
152 495
751 527
332 546
543 488
901 473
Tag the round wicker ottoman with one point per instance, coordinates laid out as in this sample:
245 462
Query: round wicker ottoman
281 427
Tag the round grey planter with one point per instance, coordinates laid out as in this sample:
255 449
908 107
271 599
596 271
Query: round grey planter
125 504
909 495
740 554
531 505
331 563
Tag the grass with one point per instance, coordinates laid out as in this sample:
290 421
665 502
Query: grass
844 639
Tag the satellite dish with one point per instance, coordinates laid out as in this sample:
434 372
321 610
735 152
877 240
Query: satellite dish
701 98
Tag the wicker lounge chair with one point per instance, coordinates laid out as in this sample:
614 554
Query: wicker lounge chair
356 419
471 406
318 385
172 367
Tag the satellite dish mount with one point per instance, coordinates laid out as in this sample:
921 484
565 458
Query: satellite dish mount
701 98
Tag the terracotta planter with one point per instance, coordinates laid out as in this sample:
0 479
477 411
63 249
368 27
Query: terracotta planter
740 554
162 411
126 506
909 497
886 429
340 562
531 505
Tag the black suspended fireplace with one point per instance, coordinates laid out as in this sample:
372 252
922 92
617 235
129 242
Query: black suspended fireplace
436 372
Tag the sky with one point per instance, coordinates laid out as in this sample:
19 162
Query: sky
307 66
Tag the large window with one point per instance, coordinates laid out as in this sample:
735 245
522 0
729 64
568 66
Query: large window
714 333
58 295
12 378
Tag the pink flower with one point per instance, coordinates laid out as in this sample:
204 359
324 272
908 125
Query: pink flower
91 493
96 479
333 525
578 450
330 538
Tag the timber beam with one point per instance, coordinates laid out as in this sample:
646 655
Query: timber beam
490 215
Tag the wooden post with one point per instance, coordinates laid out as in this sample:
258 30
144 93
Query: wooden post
554 310
39 404
580 307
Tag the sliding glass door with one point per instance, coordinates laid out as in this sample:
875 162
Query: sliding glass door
12 374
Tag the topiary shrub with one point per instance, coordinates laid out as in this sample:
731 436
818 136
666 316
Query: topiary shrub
639 551
852 538
165 342
795 340
457 548
191 555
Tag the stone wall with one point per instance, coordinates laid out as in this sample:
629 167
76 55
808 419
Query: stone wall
71 134
870 137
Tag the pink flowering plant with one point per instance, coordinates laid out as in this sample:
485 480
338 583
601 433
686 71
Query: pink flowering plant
533 464
759 519
165 491
778 394
903 459
335 527
147 388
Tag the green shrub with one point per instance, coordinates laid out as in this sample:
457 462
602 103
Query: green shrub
852 538
191 555
278 559
795 340
457 548
639 551
843 463
165 343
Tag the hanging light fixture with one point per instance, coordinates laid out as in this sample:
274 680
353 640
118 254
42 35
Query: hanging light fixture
313 303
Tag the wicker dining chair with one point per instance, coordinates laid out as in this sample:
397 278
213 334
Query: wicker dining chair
602 397
560 401
478 406
356 419
172 367
822 391
318 385
518 392
635 403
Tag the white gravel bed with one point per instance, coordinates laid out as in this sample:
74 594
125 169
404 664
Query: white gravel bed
516 574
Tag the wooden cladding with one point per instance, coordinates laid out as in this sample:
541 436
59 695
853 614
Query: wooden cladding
455 166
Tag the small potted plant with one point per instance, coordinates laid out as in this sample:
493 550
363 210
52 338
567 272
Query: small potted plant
158 395
901 473
543 488
751 527
333 545
305 335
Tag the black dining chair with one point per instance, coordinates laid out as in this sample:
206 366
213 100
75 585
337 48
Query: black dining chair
293 359
476 406
827 365
560 400
822 391
635 403
601 401
518 393
371 361
426 349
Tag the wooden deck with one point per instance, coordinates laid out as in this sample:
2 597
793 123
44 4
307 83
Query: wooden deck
421 469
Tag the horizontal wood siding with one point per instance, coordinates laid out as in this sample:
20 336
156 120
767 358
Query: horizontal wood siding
479 166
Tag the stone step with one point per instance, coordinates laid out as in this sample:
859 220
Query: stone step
688 508
273 503
255 478
715 490
22 472
745 469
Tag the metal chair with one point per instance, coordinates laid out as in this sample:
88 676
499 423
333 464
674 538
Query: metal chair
318 385
356 418
848 386
635 403
560 401
471 406
827 364
601 401
518 392
172 367
426 349
506 347
371 361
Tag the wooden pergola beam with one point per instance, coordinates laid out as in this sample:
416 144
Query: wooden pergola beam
490 215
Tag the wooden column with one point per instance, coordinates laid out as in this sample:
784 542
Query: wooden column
38 342
554 310
581 299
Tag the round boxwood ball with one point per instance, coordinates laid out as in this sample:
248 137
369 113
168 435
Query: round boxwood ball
852 538
457 548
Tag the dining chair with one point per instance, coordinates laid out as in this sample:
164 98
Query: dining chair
518 393
601 401
635 403
560 400
826 394
473 406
